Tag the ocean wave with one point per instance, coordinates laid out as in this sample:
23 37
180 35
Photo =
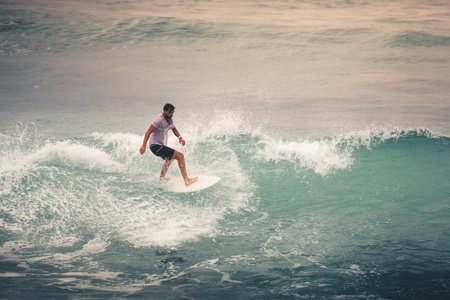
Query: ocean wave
25 32
76 155
60 153
321 156
328 154
342 35
298 201
419 39
103 183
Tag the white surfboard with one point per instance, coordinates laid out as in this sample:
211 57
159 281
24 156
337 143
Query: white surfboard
176 184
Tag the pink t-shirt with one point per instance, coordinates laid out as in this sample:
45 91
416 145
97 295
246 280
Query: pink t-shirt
159 136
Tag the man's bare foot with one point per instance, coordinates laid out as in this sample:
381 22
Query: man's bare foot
163 178
190 181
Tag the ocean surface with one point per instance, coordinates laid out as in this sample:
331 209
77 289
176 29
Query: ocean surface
327 120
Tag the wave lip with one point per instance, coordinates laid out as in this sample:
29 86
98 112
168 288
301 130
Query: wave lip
326 155
65 152
323 157
77 154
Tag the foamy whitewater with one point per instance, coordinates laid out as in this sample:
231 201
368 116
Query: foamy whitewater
328 122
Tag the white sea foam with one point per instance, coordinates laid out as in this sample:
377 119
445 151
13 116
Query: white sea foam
60 200
220 123
167 224
10 274
163 220
76 155
321 156
65 152
125 145
149 217
326 155
94 246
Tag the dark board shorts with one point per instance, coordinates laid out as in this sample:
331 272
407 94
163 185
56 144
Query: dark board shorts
162 151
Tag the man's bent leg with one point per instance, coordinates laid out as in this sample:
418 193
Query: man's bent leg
165 167
182 164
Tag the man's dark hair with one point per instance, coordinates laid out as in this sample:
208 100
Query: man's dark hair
169 107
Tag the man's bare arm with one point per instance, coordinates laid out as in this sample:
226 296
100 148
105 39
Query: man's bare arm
177 134
146 137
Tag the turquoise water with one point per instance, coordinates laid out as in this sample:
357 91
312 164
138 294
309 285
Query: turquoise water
326 120
357 216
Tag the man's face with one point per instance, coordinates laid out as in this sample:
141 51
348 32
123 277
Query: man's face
169 114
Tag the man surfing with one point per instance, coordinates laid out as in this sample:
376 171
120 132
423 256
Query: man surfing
157 133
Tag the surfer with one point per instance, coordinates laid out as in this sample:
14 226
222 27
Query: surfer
157 133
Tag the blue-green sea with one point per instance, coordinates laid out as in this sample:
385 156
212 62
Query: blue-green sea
327 121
